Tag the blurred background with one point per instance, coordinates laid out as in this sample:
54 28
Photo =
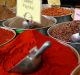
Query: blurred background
69 3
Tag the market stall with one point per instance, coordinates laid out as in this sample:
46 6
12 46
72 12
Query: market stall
39 39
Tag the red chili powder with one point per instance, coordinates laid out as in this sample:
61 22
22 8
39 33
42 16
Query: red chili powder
5 35
57 60
56 11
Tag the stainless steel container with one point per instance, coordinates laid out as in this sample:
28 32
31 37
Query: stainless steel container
1 21
76 45
46 22
62 18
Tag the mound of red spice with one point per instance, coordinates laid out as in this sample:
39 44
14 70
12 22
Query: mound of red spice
5 35
57 60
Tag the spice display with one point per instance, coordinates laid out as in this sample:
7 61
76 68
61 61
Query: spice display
5 36
5 13
56 11
64 31
58 59
18 22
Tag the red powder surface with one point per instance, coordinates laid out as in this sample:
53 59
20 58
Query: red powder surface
56 60
5 35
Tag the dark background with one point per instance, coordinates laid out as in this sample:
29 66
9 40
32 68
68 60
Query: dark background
65 2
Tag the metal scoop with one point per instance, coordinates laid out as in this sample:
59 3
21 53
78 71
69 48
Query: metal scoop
32 61
75 37
26 24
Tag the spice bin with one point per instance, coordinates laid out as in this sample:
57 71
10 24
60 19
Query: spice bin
62 14
6 35
63 32
17 24
51 59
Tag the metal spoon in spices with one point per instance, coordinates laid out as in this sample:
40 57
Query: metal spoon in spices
27 24
32 61
75 37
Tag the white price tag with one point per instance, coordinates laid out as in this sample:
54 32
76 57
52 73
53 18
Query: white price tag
54 2
77 14
29 9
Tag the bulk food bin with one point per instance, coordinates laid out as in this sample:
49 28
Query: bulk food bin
17 24
63 32
62 14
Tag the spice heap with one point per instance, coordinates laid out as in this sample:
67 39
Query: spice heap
64 31
56 60
9 3
5 35
56 11
5 13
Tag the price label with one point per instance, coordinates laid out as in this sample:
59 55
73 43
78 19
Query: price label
29 9
77 14
54 2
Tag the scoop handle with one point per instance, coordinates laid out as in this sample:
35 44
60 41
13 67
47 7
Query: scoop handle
42 49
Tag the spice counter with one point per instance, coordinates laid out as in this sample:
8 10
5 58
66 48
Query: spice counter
60 58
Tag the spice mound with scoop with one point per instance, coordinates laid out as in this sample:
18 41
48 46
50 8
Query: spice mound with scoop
58 59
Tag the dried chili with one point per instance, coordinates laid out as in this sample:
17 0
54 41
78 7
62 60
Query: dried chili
56 11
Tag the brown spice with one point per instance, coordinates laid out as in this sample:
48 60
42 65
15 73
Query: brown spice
9 3
17 22
63 31
56 11
5 13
